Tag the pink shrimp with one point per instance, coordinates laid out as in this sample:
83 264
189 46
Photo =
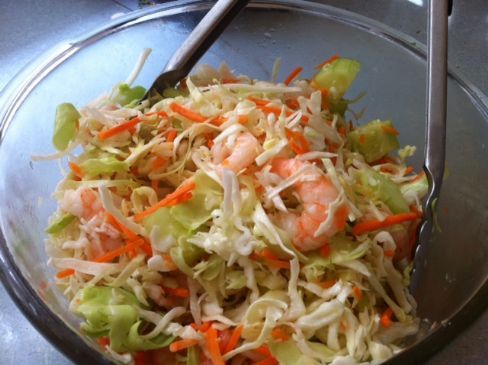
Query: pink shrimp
239 156
315 198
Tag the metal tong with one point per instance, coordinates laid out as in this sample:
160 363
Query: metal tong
198 42
435 141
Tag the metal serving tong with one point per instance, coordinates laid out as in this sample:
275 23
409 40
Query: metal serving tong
435 141
198 42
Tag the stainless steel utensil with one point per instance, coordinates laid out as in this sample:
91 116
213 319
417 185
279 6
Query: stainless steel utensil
435 140
198 42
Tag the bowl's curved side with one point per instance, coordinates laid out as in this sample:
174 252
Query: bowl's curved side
63 335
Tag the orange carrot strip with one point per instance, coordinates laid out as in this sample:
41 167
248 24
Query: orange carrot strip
298 142
187 113
279 264
213 347
167 200
260 102
128 125
325 250
234 339
386 318
146 248
209 138
373 225
76 169
205 326
357 292
389 253
362 139
142 358
155 185
279 334
292 104
65 273
177 292
131 123
328 283
121 228
330 60
159 162
390 130
171 135
109 256
263 350
182 345
293 75
103 341
267 361
408 170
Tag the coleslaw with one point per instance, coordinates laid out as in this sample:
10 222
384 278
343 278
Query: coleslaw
236 221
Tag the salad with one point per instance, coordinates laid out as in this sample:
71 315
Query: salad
236 221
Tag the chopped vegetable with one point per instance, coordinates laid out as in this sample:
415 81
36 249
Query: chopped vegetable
65 125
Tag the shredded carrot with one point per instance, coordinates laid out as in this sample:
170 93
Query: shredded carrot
362 139
213 346
109 256
209 138
234 339
169 262
65 273
386 318
325 250
328 283
127 126
259 102
263 350
76 170
279 264
280 334
131 123
205 326
329 61
342 131
390 130
155 185
159 162
177 292
373 225
298 142
182 345
176 197
171 135
389 253
268 361
408 170
293 75
103 341
187 113
292 103
270 259
121 228
357 292
146 247
142 358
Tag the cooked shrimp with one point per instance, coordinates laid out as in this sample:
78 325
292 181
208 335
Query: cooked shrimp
83 203
315 198
239 156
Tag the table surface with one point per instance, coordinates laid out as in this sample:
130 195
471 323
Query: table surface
30 27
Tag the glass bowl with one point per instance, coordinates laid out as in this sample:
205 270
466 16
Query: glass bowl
450 280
